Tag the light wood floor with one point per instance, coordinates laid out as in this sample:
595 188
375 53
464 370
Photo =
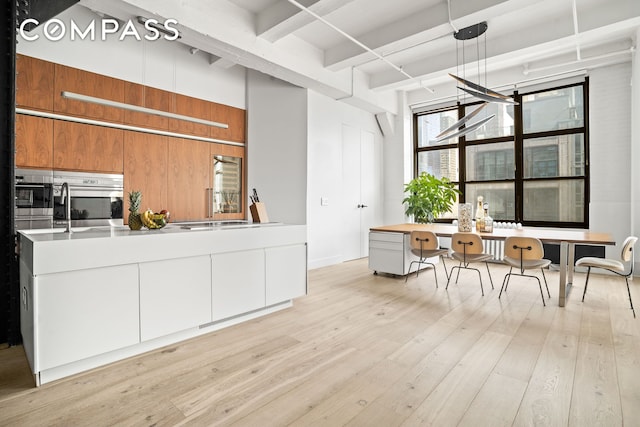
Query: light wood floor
365 350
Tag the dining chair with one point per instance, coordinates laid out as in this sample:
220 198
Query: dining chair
524 253
424 244
613 265
467 248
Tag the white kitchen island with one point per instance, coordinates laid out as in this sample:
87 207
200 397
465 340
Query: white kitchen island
102 294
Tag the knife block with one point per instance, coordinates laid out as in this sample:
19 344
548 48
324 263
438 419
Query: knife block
259 212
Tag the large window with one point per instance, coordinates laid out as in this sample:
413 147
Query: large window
529 162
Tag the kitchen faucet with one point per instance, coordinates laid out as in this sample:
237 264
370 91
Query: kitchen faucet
65 195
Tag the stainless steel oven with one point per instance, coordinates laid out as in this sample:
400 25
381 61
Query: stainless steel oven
33 199
96 199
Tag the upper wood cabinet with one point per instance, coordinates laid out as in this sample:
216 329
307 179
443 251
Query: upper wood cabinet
34 83
145 169
34 142
189 176
82 82
81 147
148 97
191 107
234 117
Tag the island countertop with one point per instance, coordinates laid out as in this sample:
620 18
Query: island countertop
52 250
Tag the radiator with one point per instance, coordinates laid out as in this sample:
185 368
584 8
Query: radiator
495 248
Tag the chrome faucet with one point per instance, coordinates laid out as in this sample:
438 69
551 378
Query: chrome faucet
65 195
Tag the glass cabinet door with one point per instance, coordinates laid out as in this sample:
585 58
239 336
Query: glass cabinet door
226 194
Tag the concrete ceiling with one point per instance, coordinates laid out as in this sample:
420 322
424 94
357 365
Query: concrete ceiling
526 40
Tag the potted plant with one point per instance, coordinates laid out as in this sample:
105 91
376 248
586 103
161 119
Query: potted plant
429 197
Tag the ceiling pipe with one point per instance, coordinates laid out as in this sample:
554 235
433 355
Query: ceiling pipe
357 42
576 32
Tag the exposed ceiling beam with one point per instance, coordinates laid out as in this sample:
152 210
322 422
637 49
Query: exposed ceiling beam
420 27
283 18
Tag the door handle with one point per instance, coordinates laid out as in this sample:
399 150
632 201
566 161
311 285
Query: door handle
362 206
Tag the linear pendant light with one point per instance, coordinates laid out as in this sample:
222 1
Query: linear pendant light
462 121
136 108
467 129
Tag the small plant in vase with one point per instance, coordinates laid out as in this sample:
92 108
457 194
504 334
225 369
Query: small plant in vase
135 199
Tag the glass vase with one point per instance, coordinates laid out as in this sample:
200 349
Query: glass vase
464 217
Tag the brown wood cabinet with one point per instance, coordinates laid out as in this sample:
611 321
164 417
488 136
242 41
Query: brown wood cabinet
189 176
34 142
86 83
234 117
145 169
191 107
82 147
148 97
34 83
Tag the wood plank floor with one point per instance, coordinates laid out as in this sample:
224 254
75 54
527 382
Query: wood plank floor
366 350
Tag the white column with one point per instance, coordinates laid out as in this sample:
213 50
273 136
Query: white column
635 145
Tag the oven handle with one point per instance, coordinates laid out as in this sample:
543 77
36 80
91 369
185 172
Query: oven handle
31 185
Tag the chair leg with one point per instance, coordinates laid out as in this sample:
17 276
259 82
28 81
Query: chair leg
488 272
545 282
586 283
458 275
409 271
480 276
508 276
629 292
503 282
435 274
451 275
445 267
541 293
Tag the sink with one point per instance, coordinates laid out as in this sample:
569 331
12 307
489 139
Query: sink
207 225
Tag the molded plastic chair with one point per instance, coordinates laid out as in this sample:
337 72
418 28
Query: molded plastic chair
612 265
467 248
424 244
524 253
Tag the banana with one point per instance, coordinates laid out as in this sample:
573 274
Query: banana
151 220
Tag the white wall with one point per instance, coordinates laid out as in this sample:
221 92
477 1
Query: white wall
611 153
326 228
277 146
162 64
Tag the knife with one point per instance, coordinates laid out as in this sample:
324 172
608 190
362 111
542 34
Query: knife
255 196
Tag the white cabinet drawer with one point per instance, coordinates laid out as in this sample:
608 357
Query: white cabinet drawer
386 237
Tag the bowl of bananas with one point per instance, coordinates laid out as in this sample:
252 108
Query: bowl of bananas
153 220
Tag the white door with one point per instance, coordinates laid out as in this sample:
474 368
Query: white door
361 176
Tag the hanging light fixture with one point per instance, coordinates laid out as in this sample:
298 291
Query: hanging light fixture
474 89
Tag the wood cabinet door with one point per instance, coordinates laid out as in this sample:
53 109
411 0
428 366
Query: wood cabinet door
145 169
34 83
148 97
237 124
89 148
189 176
82 82
235 118
34 142
191 107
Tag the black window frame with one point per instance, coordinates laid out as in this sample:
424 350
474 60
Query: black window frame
518 139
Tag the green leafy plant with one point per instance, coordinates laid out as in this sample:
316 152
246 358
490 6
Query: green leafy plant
429 197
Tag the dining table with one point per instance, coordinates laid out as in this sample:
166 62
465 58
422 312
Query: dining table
566 238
